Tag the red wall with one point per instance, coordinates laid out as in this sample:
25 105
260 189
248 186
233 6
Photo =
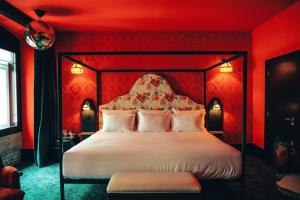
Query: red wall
186 83
228 87
277 36
27 79
76 88
113 85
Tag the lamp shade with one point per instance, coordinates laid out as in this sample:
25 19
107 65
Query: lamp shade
77 69
86 106
39 35
216 106
226 67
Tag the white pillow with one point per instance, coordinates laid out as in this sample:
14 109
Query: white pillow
154 120
118 120
190 120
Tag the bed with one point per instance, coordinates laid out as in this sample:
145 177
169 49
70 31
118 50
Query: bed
103 154
95 159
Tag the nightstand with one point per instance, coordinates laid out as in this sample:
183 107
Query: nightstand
218 134
84 135
68 143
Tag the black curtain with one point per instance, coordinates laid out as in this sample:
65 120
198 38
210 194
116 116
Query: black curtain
45 106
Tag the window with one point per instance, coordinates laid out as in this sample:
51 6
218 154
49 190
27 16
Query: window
10 84
8 90
8 116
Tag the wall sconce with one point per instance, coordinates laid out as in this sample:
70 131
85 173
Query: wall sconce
86 106
76 69
88 116
215 115
226 67
216 105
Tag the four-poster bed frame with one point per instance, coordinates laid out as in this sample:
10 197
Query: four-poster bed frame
68 55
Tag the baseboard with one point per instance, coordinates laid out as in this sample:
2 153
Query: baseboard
27 155
239 146
252 149
260 153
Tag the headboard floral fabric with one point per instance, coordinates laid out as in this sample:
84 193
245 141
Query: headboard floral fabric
150 92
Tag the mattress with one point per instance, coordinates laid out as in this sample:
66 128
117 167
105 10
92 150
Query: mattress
103 154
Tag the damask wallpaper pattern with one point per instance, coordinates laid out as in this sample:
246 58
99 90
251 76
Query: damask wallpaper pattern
76 88
227 87
183 83
150 92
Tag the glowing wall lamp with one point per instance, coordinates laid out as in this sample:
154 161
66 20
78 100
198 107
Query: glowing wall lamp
216 105
86 105
226 67
76 69
215 115
88 116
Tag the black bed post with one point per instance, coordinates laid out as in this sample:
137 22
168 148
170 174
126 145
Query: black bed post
99 73
204 88
244 128
99 92
59 79
99 89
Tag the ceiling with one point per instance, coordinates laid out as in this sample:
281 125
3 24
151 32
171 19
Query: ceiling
152 15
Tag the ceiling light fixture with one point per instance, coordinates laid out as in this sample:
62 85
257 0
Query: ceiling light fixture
76 69
38 34
226 67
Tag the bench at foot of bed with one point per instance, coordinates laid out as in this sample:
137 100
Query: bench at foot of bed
153 185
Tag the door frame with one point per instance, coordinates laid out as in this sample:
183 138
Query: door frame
268 65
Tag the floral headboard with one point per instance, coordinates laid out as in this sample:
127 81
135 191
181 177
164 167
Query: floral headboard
150 92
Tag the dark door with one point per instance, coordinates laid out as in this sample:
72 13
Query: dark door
282 102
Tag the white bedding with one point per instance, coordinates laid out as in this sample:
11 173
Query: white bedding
103 154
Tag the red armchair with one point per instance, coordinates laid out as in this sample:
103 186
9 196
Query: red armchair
10 184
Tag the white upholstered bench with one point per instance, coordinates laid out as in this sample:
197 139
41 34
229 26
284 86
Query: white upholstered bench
153 185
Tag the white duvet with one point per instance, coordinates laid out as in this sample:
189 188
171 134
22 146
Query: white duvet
103 154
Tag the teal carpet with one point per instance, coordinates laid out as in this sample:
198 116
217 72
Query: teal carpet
43 184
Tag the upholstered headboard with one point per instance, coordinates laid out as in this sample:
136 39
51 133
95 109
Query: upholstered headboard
150 92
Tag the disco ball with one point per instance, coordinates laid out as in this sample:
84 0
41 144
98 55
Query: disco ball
39 35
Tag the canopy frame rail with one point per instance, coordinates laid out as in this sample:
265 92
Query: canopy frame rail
68 56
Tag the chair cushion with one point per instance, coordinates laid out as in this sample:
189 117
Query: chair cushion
153 182
290 182
11 194
8 176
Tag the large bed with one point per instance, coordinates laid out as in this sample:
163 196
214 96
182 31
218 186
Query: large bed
108 152
103 154
97 158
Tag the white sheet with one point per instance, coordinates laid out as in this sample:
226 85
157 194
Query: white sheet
103 154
